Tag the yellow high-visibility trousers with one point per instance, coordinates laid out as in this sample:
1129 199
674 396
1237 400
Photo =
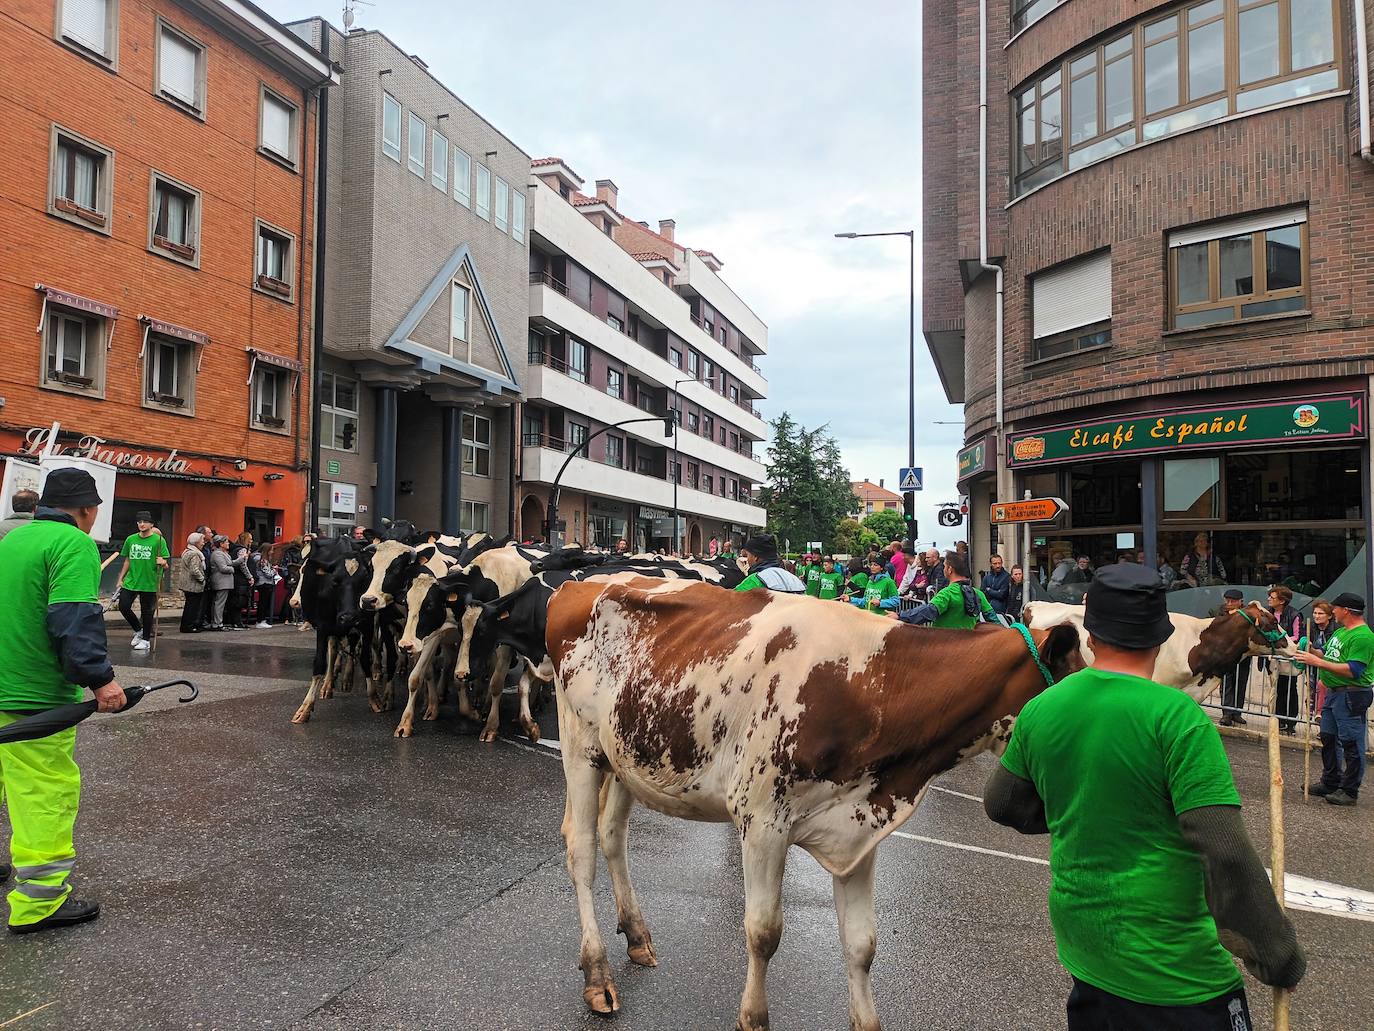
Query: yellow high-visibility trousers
41 785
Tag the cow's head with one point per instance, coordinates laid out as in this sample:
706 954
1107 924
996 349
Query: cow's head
348 579
420 606
1059 651
564 559
1231 636
517 619
394 565
480 589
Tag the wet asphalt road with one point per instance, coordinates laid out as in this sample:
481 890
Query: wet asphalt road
256 874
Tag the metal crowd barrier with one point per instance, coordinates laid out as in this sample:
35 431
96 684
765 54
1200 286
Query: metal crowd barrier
1259 699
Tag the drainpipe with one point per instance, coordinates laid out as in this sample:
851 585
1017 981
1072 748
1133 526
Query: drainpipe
983 263
1362 80
317 344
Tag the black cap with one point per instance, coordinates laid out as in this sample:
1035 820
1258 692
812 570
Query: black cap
1234 593
69 488
1347 600
1125 607
143 517
762 546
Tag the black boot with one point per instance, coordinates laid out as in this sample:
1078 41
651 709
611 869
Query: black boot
72 911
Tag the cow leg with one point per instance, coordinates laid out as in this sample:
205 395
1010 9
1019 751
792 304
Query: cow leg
434 684
765 856
331 662
858 939
495 686
307 706
579 834
615 826
527 723
414 682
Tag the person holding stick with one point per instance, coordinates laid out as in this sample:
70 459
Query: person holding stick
145 555
54 634
1155 884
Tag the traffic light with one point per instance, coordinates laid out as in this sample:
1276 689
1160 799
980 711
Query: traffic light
350 433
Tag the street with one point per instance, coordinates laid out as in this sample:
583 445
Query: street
256 874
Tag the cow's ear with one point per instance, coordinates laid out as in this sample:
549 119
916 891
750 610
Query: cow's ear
1061 650
452 595
504 615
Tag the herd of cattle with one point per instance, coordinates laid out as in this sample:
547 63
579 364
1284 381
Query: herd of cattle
801 723
447 613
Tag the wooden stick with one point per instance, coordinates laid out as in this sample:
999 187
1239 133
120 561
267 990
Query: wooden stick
1305 707
1282 996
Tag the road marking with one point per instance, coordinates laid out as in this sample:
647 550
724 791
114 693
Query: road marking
971 848
36 1009
956 794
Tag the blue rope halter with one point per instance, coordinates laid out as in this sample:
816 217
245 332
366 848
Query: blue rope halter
1035 653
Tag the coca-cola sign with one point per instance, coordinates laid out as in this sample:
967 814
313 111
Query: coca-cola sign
94 448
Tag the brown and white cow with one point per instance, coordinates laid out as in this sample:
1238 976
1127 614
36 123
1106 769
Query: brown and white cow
1198 651
802 724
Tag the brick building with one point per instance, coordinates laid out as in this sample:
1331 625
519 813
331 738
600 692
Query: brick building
874 497
1181 221
626 322
156 253
425 286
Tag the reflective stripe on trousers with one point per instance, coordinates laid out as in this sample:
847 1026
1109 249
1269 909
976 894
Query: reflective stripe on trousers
42 788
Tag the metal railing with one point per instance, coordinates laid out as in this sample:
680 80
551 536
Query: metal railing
1298 699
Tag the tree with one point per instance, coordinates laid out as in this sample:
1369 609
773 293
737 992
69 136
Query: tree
808 489
851 538
887 523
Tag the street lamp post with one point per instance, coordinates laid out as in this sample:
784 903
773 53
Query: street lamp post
555 536
909 497
677 460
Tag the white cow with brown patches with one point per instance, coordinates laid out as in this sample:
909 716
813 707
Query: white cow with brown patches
802 724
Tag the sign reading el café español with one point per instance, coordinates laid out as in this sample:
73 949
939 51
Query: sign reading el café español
1261 422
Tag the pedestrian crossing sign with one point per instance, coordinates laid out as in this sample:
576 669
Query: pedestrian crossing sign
910 478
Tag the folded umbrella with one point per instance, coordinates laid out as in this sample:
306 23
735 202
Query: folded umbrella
50 721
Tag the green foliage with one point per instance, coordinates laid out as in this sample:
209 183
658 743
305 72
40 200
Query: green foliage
808 490
887 523
849 537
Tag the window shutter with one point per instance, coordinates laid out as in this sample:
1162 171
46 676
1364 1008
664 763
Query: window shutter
177 67
1237 227
85 21
276 126
1077 294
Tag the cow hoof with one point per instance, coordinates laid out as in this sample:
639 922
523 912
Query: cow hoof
431 714
404 730
752 1023
490 735
643 954
602 998
531 729
375 705
302 715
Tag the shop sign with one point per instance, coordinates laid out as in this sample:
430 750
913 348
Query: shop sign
1296 420
93 448
345 498
974 459
332 467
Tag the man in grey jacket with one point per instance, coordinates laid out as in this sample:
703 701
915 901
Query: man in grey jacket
24 504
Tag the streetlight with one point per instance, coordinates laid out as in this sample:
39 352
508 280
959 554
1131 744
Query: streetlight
555 536
677 458
908 497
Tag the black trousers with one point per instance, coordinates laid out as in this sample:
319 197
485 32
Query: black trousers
193 611
147 602
1092 1009
1233 687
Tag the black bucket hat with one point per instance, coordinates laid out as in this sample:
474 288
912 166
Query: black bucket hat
1125 606
762 546
69 488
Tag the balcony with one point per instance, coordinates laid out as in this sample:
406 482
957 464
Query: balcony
746 359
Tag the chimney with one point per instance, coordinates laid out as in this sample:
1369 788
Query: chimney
880 483
607 191
666 227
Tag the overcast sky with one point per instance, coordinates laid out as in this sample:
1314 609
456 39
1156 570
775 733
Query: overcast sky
763 128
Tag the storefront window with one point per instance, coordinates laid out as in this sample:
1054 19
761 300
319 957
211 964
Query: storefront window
1283 486
1104 494
1192 488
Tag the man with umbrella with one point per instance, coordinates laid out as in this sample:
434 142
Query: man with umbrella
54 632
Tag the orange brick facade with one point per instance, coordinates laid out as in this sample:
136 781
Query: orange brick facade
43 84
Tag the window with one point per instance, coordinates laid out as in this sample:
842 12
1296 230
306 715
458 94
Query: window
274 261
458 319
80 181
391 127
734 489
462 177
707 484
476 517
1027 12
675 358
502 213
615 451
278 128
693 364
338 507
180 68
517 216
1071 306
483 192
417 137
269 396
174 217
75 351
577 360
1240 270
1200 63
734 394
476 445
91 25
708 426
615 383
577 435
723 334
438 163
338 412
693 475
708 371
693 422
170 370
1192 488
615 323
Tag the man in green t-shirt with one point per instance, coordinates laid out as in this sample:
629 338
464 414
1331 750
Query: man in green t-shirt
879 590
812 575
1346 669
831 580
54 633
1154 882
760 552
958 604
145 556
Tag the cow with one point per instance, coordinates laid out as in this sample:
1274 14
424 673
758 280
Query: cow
1199 650
800 724
331 576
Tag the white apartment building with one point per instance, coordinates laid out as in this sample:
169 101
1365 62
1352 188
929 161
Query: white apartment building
627 323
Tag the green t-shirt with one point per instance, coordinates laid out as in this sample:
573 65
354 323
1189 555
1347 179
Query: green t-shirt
143 553
858 583
879 588
42 563
1349 644
949 602
831 584
812 579
1116 759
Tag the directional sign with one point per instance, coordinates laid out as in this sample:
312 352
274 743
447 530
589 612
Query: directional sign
1032 510
910 478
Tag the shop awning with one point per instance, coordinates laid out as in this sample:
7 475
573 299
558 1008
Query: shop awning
267 358
208 481
51 295
168 329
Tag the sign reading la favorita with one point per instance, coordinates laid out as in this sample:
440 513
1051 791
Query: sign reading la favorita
1337 417
93 447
